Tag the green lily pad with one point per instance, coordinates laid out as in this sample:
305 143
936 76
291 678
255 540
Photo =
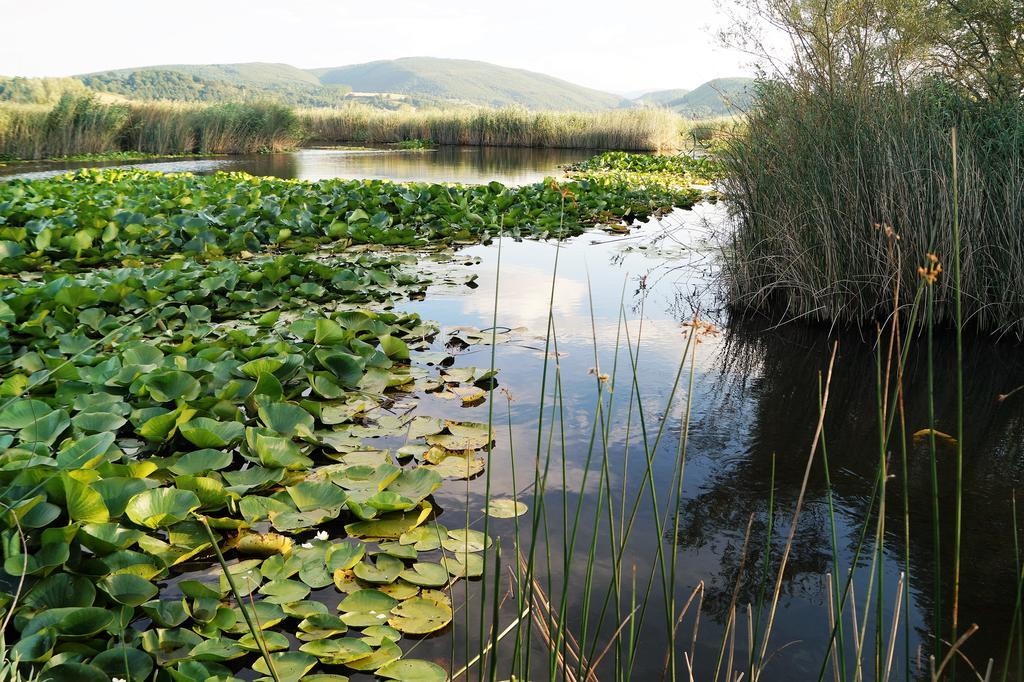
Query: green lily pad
161 507
204 432
426 575
290 665
384 570
337 651
466 540
124 662
419 616
386 653
505 508
284 591
366 607
390 526
412 670
128 589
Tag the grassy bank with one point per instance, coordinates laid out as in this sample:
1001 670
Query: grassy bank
84 126
634 129
78 126
818 179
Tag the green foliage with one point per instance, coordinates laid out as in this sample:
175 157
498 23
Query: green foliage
681 168
82 128
104 216
415 144
467 81
717 97
39 90
632 129
817 179
218 84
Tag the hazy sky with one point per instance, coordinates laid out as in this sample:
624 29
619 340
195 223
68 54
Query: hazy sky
618 45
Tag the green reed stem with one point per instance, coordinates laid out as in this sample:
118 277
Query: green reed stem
257 634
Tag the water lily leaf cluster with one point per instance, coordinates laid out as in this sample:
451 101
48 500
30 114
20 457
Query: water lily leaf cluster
117 434
675 168
106 216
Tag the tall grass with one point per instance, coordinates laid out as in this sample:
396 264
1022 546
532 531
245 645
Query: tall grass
83 125
629 129
816 178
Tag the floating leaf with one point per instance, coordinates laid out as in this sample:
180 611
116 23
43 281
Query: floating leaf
337 651
384 570
386 653
412 670
419 616
503 508
466 540
426 575
128 589
204 432
289 665
161 507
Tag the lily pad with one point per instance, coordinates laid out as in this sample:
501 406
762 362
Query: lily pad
419 616
412 670
161 507
503 508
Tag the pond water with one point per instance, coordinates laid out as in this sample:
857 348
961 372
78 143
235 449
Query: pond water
754 406
509 165
753 403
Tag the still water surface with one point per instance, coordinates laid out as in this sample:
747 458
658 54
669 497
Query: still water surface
754 405
509 165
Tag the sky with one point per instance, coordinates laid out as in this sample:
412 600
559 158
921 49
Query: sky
615 45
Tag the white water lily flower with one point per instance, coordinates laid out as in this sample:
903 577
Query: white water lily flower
306 545
321 535
117 679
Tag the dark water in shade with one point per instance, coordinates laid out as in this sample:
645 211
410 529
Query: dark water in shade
754 404
509 165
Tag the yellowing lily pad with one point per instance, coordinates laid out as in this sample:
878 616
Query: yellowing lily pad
419 616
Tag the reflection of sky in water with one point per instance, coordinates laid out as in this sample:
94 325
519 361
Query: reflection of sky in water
509 165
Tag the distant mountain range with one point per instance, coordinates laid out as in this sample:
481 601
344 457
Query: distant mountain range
415 81
718 97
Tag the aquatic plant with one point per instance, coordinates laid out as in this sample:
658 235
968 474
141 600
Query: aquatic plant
815 181
108 216
84 126
678 167
631 129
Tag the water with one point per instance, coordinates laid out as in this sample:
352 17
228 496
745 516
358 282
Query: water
509 165
754 407
754 401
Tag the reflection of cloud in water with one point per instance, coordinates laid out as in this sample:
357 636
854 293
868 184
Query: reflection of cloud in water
525 296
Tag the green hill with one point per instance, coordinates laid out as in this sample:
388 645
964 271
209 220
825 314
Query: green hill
217 83
468 81
412 81
718 97
661 98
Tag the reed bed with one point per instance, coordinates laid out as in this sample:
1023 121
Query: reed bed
83 125
631 129
817 181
